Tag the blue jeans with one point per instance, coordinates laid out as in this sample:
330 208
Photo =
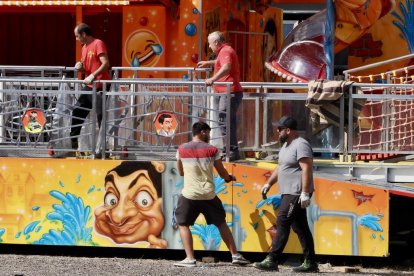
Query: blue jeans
235 101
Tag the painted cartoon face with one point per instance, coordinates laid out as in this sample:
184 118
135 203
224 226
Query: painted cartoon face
143 49
33 116
131 210
167 125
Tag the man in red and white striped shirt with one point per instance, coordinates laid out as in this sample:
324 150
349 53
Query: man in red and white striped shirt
195 161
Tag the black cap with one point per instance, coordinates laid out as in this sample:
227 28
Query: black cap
286 122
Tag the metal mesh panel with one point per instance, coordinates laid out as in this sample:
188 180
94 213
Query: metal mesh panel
35 117
132 112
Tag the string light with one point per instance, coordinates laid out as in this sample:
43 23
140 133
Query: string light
63 3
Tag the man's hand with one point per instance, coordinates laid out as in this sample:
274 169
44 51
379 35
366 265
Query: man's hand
202 64
89 79
79 65
304 200
209 81
265 189
231 178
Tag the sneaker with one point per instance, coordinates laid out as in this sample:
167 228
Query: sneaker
186 263
307 266
267 264
239 260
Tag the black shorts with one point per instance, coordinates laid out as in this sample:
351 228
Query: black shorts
188 210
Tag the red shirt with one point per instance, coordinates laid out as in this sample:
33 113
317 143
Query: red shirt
226 55
90 59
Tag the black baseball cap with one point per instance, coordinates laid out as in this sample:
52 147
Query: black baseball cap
286 122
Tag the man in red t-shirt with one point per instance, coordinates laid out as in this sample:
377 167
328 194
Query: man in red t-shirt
226 69
95 64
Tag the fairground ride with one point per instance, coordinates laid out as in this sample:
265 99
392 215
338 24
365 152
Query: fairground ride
362 134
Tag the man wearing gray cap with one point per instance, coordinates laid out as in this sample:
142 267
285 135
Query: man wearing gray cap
294 176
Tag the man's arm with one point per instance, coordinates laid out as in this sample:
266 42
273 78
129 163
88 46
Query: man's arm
273 178
104 65
306 164
224 70
205 63
180 167
218 165
270 182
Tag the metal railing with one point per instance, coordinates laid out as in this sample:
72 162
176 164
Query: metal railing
130 121
132 106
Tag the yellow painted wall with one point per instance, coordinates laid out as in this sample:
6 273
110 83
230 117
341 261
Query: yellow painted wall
45 197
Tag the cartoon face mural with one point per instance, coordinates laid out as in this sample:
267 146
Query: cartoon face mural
165 124
132 209
33 120
143 49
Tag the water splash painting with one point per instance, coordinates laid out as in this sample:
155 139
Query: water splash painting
405 22
73 216
29 228
2 231
274 200
91 189
370 221
209 235
180 183
220 184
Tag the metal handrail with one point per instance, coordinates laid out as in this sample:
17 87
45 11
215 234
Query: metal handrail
260 94
373 65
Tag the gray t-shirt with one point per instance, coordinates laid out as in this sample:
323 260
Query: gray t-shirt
289 171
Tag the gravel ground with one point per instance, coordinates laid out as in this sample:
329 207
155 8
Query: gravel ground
11 264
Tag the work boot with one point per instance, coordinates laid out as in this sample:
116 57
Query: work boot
307 266
268 263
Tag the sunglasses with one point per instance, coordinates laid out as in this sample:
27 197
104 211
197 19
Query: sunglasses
281 128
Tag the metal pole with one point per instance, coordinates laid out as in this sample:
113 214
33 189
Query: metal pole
102 129
94 121
329 39
228 114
